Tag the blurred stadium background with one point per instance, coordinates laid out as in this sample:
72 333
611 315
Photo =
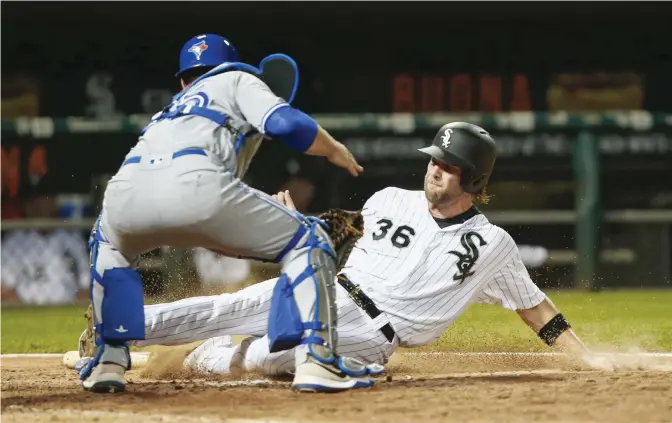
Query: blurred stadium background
578 96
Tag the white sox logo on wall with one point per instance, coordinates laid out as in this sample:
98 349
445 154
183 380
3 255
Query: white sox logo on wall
446 138
467 260
198 49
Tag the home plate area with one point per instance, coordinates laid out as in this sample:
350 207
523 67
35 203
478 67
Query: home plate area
417 387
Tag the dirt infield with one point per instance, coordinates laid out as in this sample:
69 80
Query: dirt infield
418 388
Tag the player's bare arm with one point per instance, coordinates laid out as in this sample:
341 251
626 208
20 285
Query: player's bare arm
302 133
325 145
550 325
279 120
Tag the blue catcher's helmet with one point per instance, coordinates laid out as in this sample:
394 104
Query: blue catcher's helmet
206 50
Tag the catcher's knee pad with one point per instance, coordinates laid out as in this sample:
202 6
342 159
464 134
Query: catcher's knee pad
303 309
116 295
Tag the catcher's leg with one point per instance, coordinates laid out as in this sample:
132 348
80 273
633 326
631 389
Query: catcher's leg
302 311
303 315
117 315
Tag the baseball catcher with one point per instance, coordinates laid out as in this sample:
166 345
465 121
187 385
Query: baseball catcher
180 186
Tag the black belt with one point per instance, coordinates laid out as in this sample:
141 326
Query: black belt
365 303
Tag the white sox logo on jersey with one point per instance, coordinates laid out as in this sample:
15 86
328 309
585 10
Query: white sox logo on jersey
446 138
468 259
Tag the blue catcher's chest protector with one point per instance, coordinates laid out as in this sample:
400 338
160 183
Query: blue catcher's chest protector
182 105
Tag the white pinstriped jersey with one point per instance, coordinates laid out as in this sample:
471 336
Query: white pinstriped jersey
423 277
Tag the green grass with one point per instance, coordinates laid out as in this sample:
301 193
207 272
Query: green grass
41 329
625 319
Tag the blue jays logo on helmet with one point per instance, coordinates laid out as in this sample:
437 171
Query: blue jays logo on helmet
197 49
206 50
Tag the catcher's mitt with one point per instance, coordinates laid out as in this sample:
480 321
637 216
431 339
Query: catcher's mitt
344 228
87 340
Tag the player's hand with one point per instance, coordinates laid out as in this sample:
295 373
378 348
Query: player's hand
342 157
283 198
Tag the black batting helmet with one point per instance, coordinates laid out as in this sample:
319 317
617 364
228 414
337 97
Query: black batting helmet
468 147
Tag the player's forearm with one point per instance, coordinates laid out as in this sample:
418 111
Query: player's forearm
543 320
302 133
323 145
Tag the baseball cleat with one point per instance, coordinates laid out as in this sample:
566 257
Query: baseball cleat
314 376
106 378
375 369
201 358
105 373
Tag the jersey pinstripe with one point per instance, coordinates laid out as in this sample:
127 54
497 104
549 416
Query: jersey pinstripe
423 277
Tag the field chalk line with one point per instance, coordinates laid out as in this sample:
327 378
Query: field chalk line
427 353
